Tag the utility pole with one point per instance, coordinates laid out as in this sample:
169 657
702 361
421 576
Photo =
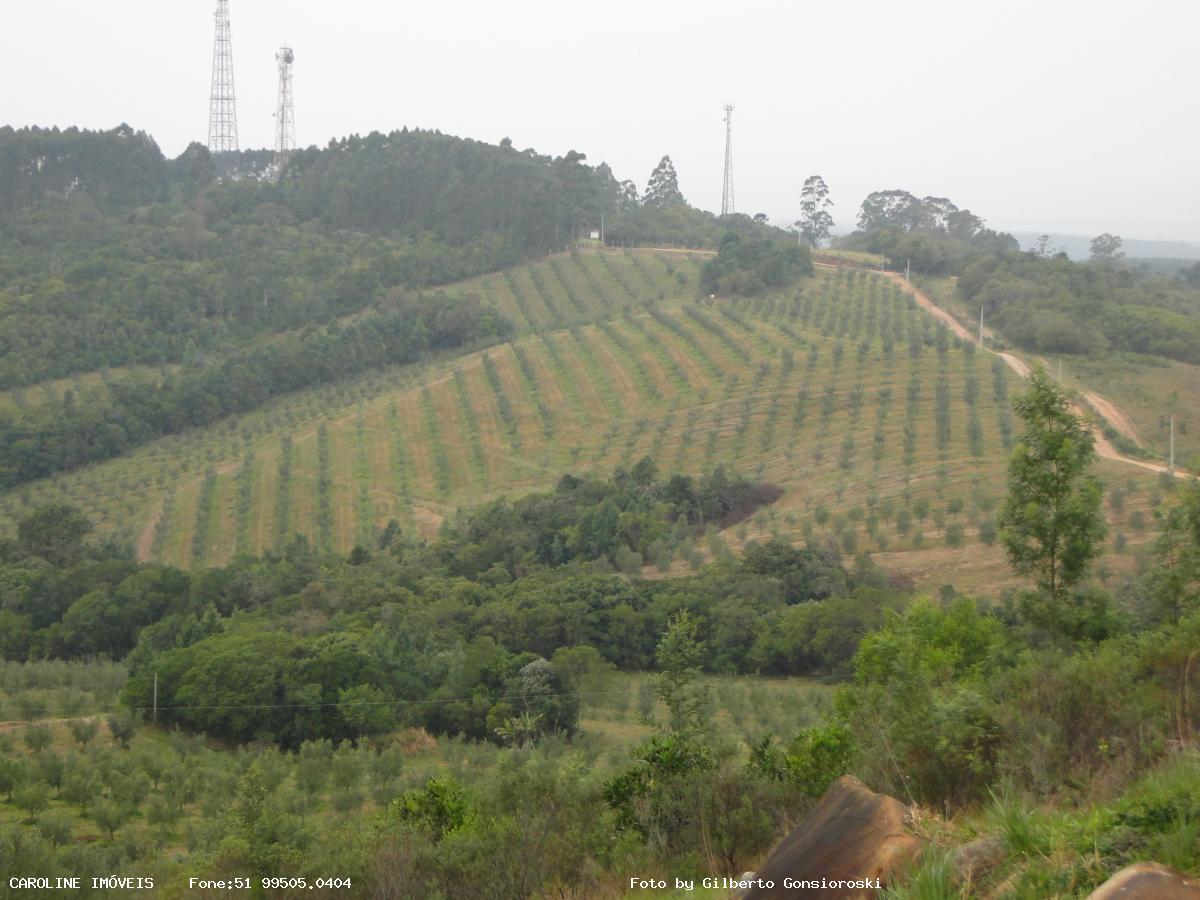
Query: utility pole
285 113
907 267
1172 469
601 229
727 189
222 106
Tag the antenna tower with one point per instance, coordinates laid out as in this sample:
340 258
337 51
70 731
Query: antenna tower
727 190
222 109
285 113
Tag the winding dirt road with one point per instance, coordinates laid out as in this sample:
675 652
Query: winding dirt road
1106 409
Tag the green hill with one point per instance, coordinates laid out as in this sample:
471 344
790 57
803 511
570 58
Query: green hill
886 434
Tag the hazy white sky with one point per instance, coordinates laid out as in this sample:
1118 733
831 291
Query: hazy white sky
1052 115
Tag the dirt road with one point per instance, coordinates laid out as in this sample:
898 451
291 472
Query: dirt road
1106 409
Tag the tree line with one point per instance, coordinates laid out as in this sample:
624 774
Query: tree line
60 436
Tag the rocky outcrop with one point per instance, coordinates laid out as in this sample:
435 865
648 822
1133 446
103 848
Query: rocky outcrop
1148 881
852 840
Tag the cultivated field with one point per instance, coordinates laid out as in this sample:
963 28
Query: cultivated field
887 434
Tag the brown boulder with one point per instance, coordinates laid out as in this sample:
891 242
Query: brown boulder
1147 881
852 835
977 857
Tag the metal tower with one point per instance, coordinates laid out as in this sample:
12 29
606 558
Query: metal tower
727 190
285 113
222 110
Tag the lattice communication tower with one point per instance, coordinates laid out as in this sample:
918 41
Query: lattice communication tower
285 112
727 190
222 108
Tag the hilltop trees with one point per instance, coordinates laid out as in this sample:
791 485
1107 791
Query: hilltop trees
748 266
815 219
117 169
931 233
663 187
1106 247
900 209
1051 525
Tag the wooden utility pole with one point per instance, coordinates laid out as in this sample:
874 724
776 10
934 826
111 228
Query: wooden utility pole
1172 444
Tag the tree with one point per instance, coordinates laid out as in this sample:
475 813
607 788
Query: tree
679 655
122 727
54 533
1175 581
629 198
32 796
366 709
1051 525
815 219
894 208
83 730
55 827
663 188
109 816
12 773
1107 246
38 737
80 787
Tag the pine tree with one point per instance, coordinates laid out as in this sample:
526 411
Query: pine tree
663 189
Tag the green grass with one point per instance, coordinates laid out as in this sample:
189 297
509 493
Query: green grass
1067 849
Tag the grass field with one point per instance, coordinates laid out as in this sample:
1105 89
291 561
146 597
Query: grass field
887 435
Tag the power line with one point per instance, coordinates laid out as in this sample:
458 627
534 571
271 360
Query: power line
394 702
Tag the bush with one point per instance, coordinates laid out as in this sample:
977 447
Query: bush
919 706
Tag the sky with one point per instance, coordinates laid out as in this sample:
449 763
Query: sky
1064 116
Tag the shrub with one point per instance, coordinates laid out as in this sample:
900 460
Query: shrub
987 531
919 706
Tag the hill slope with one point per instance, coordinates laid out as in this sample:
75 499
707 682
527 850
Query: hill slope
886 434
